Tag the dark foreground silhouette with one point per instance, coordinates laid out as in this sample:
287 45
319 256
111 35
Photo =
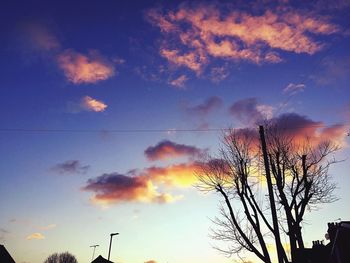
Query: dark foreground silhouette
5 256
336 251
101 259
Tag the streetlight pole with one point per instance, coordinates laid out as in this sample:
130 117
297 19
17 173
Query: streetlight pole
93 253
110 244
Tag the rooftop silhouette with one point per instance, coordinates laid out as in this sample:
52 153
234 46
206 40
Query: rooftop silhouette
5 256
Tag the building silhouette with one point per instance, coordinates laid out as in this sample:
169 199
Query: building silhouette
336 251
101 259
5 256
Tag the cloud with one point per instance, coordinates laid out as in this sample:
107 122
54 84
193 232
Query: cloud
145 186
116 188
40 38
167 150
179 82
249 111
218 74
301 129
70 167
209 105
90 104
35 236
190 60
3 233
178 175
84 69
151 261
293 89
333 70
205 32
48 227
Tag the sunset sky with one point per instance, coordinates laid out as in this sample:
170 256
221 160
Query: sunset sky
107 105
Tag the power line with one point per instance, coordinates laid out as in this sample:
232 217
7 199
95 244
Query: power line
39 130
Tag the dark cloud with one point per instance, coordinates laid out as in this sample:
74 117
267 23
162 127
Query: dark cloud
249 111
167 149
209 105
70 167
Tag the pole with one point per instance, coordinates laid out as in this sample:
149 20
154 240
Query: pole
93 253
271 196
110 244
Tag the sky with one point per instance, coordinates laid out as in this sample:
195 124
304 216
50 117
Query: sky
106 106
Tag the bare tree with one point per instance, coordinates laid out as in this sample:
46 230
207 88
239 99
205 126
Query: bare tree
300 180
64 257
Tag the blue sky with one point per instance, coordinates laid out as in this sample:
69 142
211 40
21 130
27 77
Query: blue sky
87 87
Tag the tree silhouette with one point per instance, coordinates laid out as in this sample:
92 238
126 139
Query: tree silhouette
299 181
64 257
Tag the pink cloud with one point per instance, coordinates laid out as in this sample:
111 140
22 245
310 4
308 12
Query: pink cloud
179 82
82 69
206 32
302 130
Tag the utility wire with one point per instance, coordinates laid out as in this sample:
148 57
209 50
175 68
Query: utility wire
37 130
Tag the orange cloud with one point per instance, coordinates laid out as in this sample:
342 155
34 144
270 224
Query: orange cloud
151 261
179 175
91 104
80 69
35 236
192 60
206 32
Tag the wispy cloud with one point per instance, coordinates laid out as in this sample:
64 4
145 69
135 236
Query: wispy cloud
293 89
35 236
179 82
48 227
40 38
205 32
218 74
90 104
70 167
168 150
250 111
332 70
3 233
202 109
83 69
